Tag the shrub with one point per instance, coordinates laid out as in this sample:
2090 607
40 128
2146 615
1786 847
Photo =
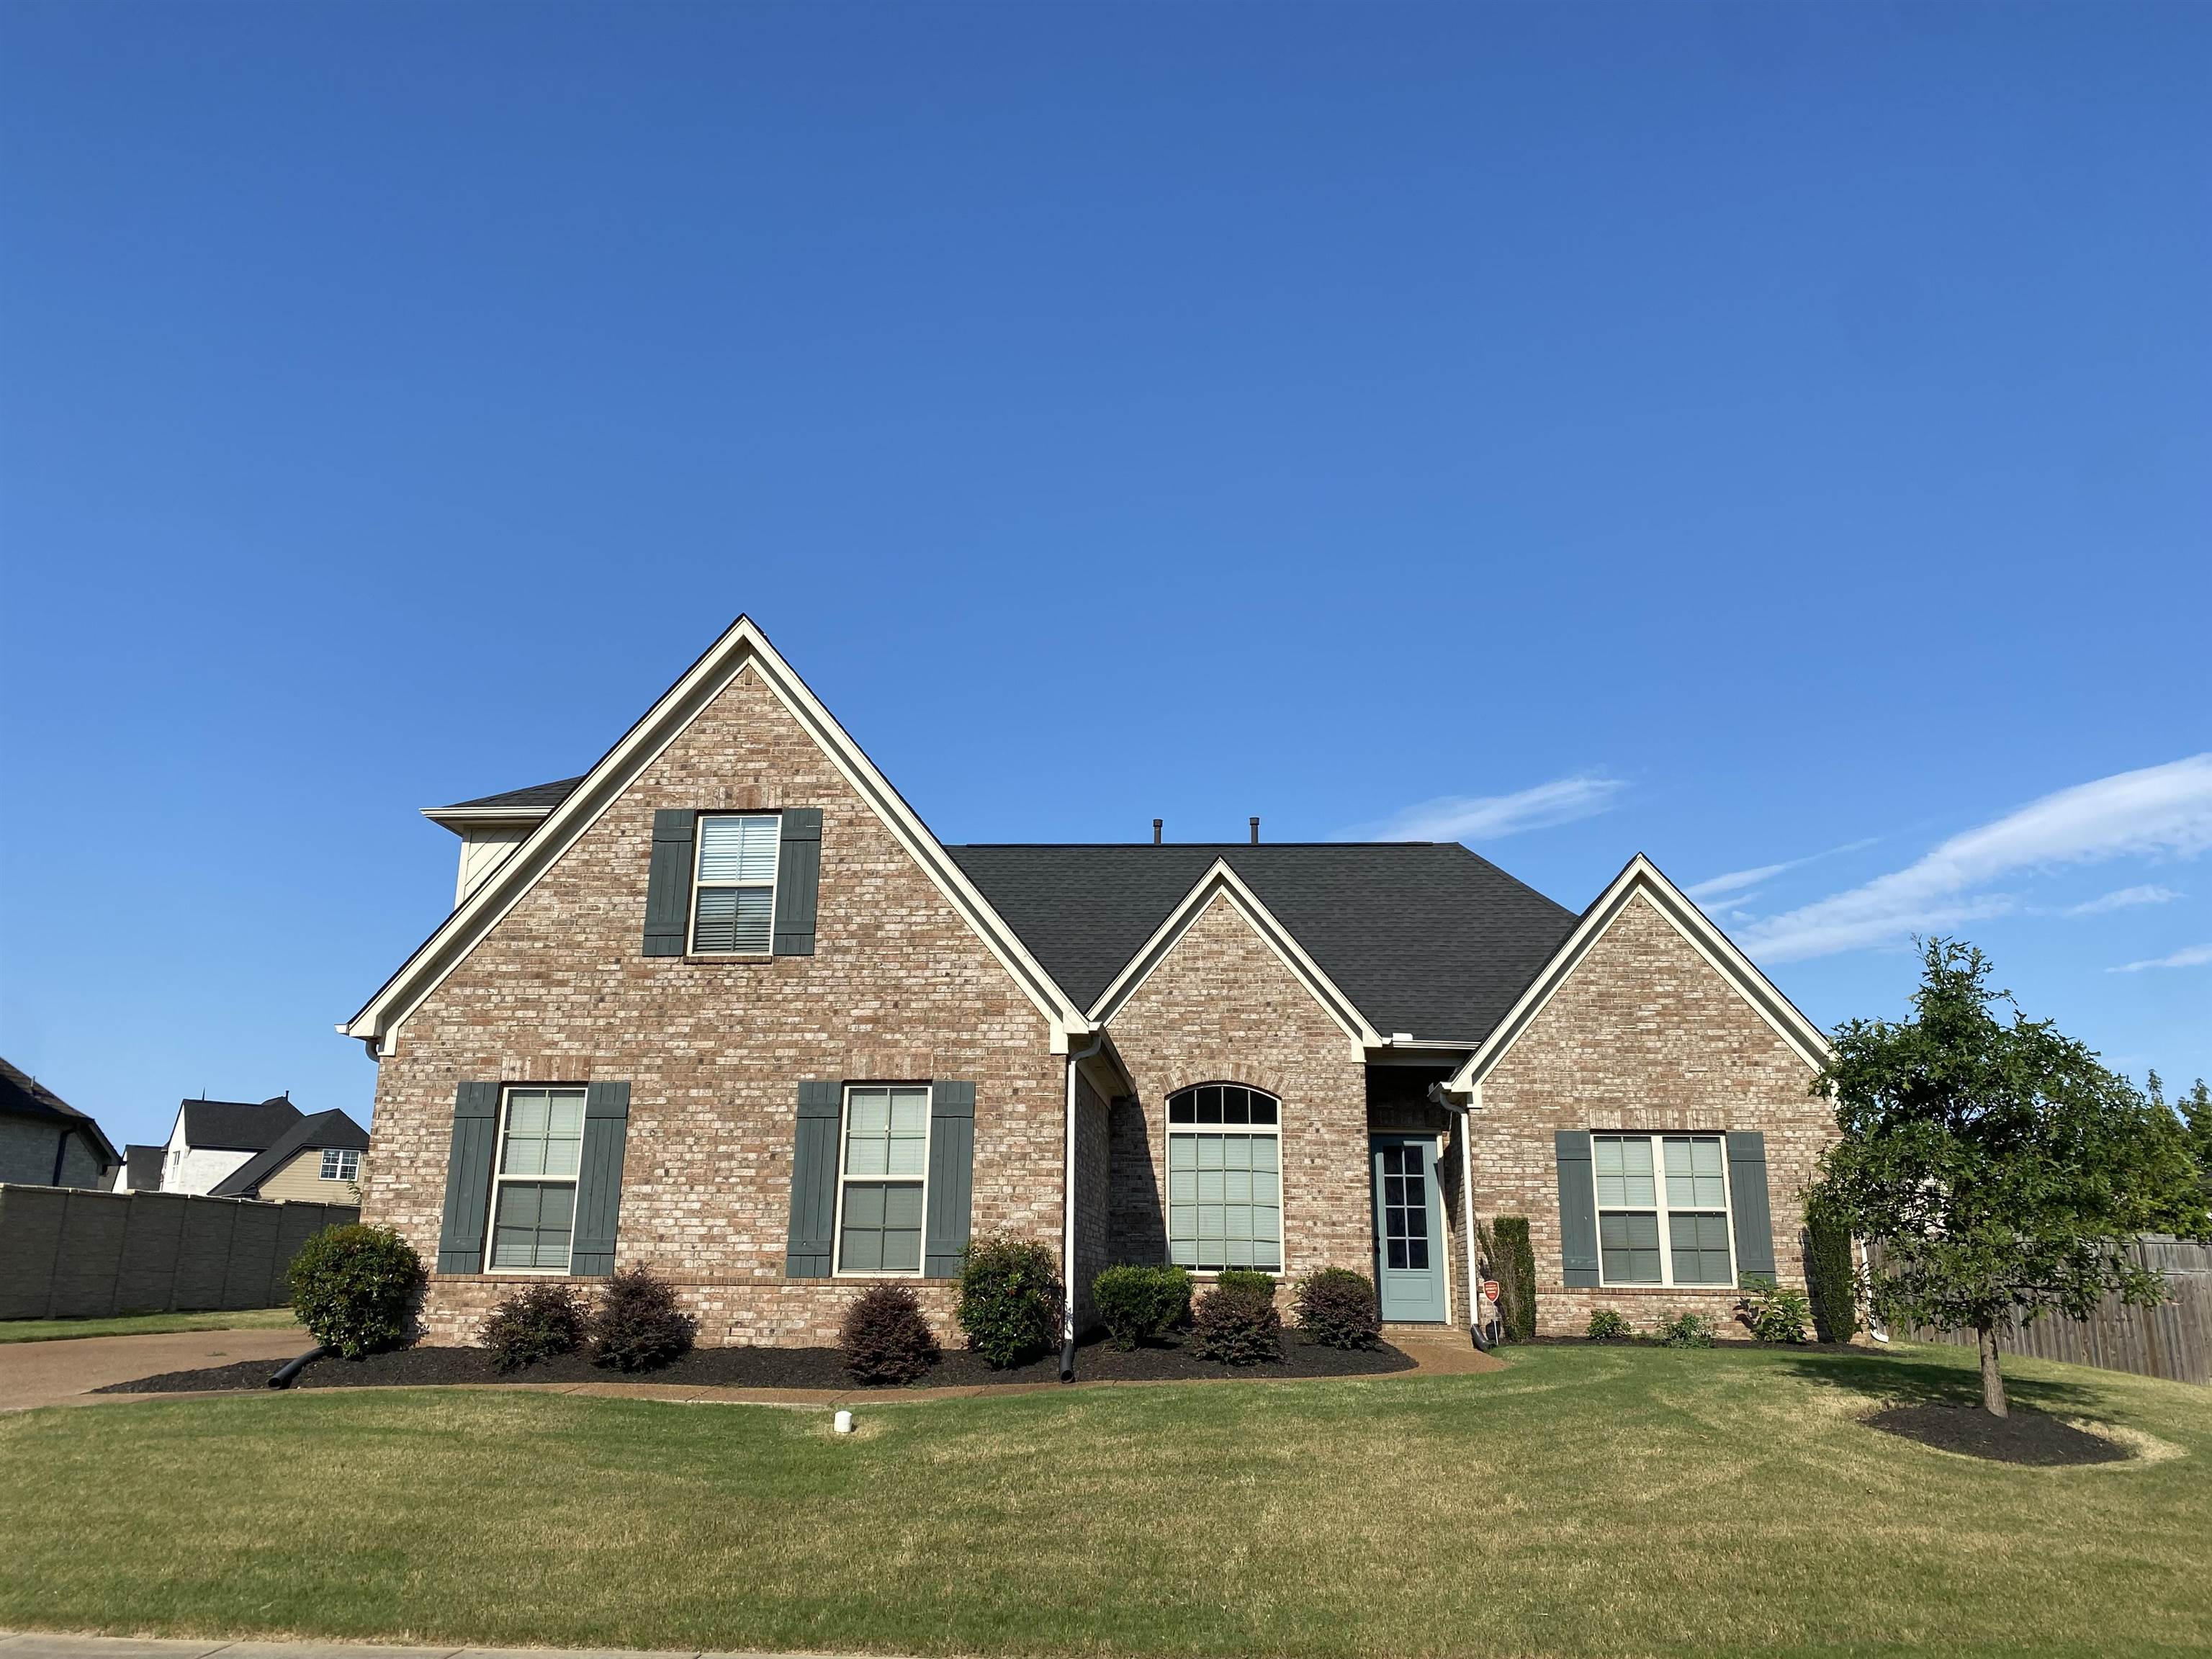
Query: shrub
1515 1268
638 1327
545 1319
1136 1301
1775 1313
885 1338
1234 1324
355 1286
1830 1277
1010 1299
1337 1309
1247 1278
1608 1325
1688 1330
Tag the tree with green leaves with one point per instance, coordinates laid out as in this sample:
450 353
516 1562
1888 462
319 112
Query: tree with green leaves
2001 1168
2196 1109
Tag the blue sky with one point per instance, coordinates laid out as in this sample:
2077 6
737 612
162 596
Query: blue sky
1773 438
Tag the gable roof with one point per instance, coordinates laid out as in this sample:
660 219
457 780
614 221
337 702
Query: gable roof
1423 936
742 646
309 1134
524 805
1641 876
22 1095
237 1126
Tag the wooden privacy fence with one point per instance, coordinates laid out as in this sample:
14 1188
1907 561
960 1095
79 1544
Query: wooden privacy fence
66 1254
2172 1340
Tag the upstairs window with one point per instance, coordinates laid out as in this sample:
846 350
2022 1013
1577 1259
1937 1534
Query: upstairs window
1225 1178
1641 1240
733 887
341 1163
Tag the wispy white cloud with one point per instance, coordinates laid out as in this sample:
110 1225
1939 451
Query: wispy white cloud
2160 810
2122 900
1486 817
2194 955
1731 886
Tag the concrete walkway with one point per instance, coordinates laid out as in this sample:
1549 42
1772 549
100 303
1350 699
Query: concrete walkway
54 1373
131 1647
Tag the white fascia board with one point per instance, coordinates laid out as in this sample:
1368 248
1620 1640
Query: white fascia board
742 646
1642 876
503 817
1223 881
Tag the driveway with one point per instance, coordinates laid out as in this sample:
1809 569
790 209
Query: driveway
57 1373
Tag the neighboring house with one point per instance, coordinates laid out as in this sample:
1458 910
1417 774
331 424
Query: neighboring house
724 1007
317 1160
142 1169
46 1142
215 1138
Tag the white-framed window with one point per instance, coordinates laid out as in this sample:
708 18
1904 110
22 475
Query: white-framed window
1225 1178
341 1163
1686 1240
733 885
533 1194
883 1171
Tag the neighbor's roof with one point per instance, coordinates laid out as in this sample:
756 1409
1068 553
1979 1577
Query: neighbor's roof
143 1167
309 1134
539 798
22 1095
1424 937
237 1126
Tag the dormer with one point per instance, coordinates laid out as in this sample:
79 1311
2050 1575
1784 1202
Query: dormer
493 826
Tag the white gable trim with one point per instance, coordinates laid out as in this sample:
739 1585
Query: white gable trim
743 647
1643 877
1221 881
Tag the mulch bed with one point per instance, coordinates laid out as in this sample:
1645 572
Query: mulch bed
768 1368
2025 1437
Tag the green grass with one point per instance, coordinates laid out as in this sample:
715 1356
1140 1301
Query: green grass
1585 1500
54 1330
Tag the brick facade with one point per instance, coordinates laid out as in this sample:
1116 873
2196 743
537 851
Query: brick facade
899 988
1643 1035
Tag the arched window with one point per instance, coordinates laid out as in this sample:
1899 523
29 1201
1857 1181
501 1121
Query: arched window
1225 1178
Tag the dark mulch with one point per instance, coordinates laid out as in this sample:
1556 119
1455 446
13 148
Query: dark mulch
767 1368
2025 1437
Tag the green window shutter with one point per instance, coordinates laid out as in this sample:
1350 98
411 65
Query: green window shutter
468 1178
809 1250
951 1178
1754 1220
668 883
598 1180
798 877
1577 1207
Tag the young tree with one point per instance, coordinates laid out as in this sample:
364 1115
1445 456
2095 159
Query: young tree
2196 1109
2003 1169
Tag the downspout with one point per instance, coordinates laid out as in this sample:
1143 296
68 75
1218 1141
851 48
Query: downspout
1438 1095
1075 1057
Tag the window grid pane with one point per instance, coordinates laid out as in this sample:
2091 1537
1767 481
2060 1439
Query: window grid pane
733 920
886 1135
1629 1247
532 1227
1225 1193
1694 1179
738 849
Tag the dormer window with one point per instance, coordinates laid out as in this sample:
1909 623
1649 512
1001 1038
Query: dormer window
733 888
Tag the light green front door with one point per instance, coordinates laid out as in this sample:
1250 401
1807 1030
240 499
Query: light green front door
1409 1242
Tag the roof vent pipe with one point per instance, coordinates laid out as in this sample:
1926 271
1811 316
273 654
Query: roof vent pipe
1255 832
1156 832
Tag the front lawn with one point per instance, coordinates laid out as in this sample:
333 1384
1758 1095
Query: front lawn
1585 1500
153 1324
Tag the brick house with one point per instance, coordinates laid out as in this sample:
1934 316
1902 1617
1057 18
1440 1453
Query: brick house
723 1005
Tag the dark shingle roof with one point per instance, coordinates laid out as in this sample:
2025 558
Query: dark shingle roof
1424 937
541 797
22 1095
308 1134
237 1126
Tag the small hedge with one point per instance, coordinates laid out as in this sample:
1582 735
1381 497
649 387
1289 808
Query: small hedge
885 1338
1010 1299
1234 1323
535 1324
1608 1325
1515 1270
1135 1303
1247 1278
1688 1330
1774 1313
1830 1278
1337 1309
638 1327
354 1288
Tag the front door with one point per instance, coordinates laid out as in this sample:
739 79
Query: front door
1409 1243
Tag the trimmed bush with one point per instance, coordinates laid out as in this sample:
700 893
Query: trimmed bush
1608 1325
1247 1278
535 1323
1688 1330
1010 1299
1337 1309
1774 1313
638 1327
1831 1277
1234 1324
885 1337
1514 1267
1135 1303
354 1287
